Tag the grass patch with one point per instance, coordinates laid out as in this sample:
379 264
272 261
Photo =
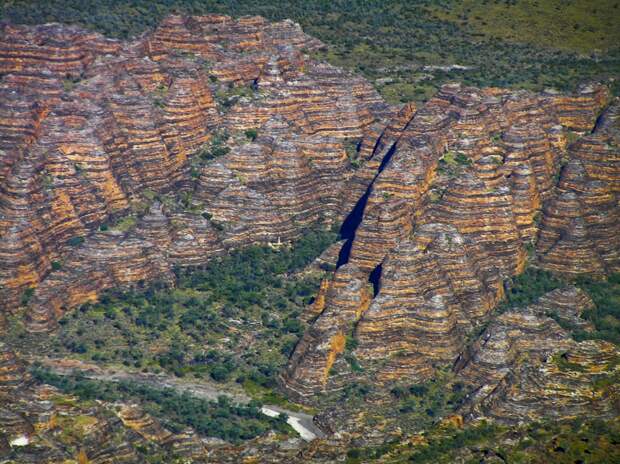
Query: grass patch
581 26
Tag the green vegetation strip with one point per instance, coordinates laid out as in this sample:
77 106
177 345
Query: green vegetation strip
606 314
221 418
573 441
527 287
235 319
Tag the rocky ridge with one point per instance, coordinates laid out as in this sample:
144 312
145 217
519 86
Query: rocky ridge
468 192
525 367
94 129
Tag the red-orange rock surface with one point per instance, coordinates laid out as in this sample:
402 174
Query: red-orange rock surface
120 160
579 230
93 129
524 366
453 210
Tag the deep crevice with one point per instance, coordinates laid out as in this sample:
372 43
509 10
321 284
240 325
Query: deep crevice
354 219
375 279
386 159
350 225
600 119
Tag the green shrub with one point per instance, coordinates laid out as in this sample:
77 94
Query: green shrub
27 296
257 287
220 418
251 134
75 241
527 287
606 313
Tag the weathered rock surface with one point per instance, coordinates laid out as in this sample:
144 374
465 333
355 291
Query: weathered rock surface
13 375
525 367
432 293
119 161
340 308
579 231
270 189
93 129
453 211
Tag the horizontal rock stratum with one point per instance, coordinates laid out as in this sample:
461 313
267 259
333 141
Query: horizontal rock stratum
93 129
471 185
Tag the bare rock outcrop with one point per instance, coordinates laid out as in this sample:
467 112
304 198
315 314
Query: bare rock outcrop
455 209
579 230
525 367
93 130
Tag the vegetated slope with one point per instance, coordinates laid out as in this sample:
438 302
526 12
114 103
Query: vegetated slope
82 421
580 439
398 44
231 323
234 320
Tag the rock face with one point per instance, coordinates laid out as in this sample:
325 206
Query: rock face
270 189
13 375
453 210
579 232
342 306
526 367
134 418
432 293
93 130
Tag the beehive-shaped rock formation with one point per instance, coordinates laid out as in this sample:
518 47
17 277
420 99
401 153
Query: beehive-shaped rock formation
525 366
93 129
453 210
579 231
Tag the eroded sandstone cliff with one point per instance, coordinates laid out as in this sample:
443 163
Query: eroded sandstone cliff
524 366
94 129
476 184
121 160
